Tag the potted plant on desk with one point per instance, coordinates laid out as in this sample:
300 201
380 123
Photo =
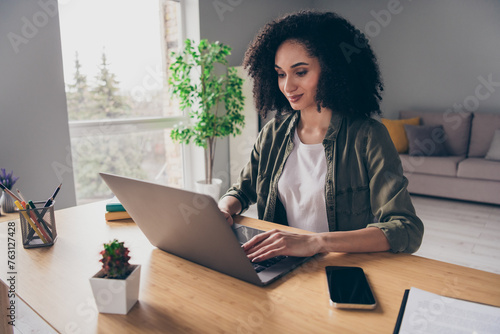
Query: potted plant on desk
193 79
116 285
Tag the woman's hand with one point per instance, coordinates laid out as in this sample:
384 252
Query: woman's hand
275 243
229 205
228 216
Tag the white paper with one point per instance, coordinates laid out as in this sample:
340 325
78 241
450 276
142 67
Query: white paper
429 313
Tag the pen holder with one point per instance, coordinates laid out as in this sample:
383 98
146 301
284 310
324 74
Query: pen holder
38 226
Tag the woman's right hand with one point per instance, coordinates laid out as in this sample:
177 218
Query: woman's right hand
228 216
228 206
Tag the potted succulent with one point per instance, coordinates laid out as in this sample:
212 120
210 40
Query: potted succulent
199 76
8 180
116 285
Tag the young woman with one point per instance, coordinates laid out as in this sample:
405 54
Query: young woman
322 164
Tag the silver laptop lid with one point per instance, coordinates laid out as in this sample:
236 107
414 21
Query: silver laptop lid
186 224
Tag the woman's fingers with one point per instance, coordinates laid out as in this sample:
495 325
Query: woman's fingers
264 254
265 249
258 239
274 243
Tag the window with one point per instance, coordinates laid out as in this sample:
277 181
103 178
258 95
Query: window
115 55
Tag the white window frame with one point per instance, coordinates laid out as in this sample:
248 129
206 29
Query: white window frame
193 163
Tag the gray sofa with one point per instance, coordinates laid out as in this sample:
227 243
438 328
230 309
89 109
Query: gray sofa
464 174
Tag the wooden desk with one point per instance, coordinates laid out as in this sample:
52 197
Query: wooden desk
5 217
179 296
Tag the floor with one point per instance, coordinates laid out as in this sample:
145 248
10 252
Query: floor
463 233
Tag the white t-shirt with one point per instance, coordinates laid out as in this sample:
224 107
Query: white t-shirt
301 187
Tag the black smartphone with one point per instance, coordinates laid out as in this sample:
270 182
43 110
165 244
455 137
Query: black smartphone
349 288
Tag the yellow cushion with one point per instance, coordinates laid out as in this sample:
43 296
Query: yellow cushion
397 131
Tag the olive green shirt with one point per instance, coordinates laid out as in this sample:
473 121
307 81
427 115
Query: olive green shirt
364 185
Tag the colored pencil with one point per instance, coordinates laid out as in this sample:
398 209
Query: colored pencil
4 188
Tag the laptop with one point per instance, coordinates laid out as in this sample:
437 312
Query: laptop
191 226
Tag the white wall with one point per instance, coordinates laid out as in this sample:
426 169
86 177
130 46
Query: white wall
240 147
34 135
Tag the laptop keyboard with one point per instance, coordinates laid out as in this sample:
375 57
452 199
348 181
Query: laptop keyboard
259 266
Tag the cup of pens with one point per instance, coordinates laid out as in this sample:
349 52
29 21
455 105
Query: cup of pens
38 226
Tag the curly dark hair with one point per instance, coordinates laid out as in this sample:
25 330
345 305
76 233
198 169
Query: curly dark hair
349 82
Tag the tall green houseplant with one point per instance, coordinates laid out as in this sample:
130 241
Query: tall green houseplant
194 80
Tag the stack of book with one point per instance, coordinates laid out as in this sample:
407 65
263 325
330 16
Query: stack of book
115 210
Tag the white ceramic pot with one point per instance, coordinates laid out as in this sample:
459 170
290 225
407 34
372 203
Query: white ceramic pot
211 189
116 295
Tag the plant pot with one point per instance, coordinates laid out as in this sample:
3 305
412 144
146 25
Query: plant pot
7 203
116 295
211 189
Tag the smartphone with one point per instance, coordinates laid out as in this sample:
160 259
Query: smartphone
349 288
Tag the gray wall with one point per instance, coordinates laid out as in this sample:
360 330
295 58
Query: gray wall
34 135
237 21
431 53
